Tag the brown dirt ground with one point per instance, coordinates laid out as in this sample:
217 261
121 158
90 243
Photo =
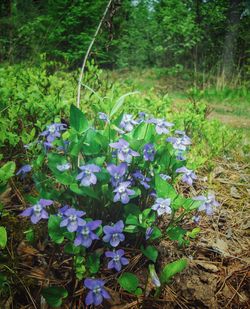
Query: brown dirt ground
218 275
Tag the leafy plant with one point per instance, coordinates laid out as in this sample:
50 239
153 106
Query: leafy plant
109 185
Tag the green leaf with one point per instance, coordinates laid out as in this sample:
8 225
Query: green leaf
54 229
194 232
191 204
55 159
131 229
150 252
54 295
93 262
131 209
138 292
129 282
7 171
155 234
120 102
84 191
172 269
30 235
3 237
176 233
163 188
79 265
77 119
71 249
131 219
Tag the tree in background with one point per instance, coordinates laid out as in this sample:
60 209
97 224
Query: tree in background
196 35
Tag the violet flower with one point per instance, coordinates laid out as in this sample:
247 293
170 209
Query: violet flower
209 203
97 292
62 210
117 259
117 173
161 125
165 177
142 117
24 170
142 179
87 176
85 235
196 219
123 192
64 147
180 156
154 277
162 206
113 234
125 154
188 175
103 116
128 122
148 233
72 219
63 167
180 143
53 131
149 152
37 211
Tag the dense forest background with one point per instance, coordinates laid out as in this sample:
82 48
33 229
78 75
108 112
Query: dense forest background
203 36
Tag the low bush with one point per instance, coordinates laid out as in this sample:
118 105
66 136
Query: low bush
106 187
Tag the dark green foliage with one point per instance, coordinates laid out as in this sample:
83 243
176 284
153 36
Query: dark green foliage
188 34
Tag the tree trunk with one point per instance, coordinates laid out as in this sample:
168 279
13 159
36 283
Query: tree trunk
230 43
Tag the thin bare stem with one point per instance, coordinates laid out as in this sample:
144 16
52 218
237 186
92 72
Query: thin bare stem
87 54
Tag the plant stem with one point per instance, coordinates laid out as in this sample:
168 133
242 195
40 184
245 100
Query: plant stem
87 54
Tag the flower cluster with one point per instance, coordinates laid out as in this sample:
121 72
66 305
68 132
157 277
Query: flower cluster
111 187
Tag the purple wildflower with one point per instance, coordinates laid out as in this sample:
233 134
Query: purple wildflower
143 179
196 219
149 232
103 116
62 210
161 125
165 177
180 143
117 173
153 193
124 152
154 277
128 122
209 203
123 192
72 219
53 131
142 117
37 211
117 259
64 147
85 235
87 175
113 234
24 170
149 152
63 167
162 206
188 175
47 146
97 292
180 156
